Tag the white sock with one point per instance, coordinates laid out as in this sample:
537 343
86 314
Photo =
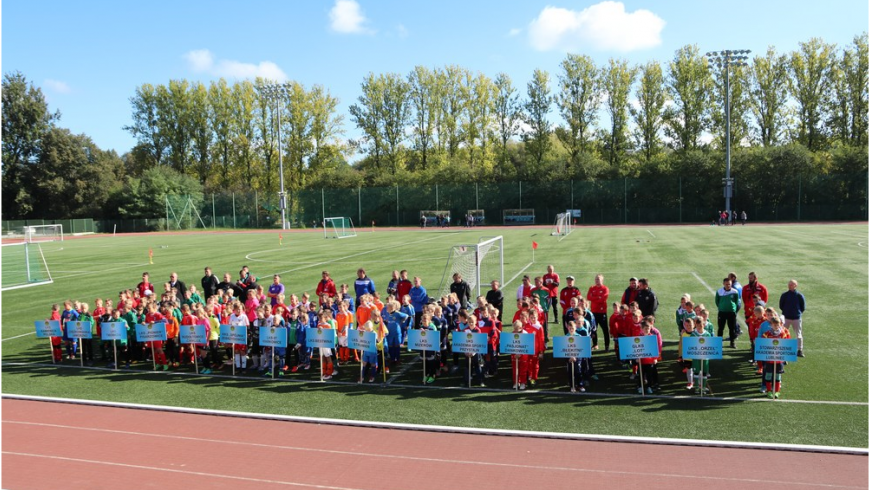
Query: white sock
238 363
244 362
690 374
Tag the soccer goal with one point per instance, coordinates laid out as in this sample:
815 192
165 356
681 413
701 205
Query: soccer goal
563 227
479 264
43 233
24 266
338 228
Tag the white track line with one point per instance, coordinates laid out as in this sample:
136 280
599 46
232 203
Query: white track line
441 387
390 457
183 472
651 233
18 336
704 283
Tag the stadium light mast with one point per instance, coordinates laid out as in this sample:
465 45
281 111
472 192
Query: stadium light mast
278 92
726 59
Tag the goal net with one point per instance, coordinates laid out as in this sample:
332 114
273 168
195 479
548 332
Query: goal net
23 266
43 233
479 264
563 225
338 228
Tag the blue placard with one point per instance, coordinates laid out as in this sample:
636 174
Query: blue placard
469 343
233 334
78 330
771 350
320 338
567 346
273 336
113 330
702 348
150 332
47 328
192 334
428 340
362 340
638 347
517 343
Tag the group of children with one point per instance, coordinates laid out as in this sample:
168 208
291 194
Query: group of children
391 322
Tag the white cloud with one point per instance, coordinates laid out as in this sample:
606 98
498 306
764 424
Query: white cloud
515 31
604 26
346 17
57 86
203 61
402 30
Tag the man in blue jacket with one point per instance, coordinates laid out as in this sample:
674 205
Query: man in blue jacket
792 304
419 298
363 285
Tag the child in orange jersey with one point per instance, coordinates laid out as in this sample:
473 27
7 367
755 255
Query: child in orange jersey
343 323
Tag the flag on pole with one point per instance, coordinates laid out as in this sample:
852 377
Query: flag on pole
151 256
534 245
280 239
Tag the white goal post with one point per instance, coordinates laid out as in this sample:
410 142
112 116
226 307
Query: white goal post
479 264
43 233
340 227
563 225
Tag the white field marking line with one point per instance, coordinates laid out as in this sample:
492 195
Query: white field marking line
358 254
101 271
169 470
401 372
421 459
517 274
704 283
450 429
862 244
18 336
651 233
591 394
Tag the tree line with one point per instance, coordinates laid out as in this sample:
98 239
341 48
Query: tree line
447 125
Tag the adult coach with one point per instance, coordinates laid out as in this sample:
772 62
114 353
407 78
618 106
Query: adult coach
495 297
178 284
792 304
325 286
362 285
419 299
460 287
630 293
597 297
275 289
750 290
646 298
209 284
728 302
568 292
551 282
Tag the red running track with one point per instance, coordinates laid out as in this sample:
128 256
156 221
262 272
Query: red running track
58 445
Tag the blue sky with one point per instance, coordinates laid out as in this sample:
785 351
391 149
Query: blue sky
89 56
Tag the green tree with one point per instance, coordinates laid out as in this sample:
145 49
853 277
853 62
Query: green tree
382 114
690 87
145 196
26 120
425 101
176 119
810 82
508 114
220 115
768 96
848 119
146 128
453 105
578 100
616 81
649 114
200 131
245 123
740 105
478 91
537 108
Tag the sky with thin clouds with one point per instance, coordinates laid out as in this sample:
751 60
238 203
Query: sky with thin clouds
89 57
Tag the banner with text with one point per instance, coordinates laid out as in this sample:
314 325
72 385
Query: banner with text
320 338
150 332
78 330
702 348
469 343
47 328
113 330
517 343
567 346
233 334
776 350
638 347
362 340
192 334
428 340
273 337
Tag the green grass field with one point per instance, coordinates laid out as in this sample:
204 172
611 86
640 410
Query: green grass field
830 261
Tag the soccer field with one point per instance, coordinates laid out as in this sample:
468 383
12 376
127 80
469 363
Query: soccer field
825 395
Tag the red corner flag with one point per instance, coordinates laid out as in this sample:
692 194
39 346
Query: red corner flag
534 245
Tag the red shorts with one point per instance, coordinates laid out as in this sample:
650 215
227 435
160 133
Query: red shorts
157 344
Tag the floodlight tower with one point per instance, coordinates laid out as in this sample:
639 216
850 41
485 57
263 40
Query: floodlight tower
277 92
726 59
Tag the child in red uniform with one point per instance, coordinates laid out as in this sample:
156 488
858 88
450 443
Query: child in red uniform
56 342
519 364
753 323
614 322
153 316
534 361
649 370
